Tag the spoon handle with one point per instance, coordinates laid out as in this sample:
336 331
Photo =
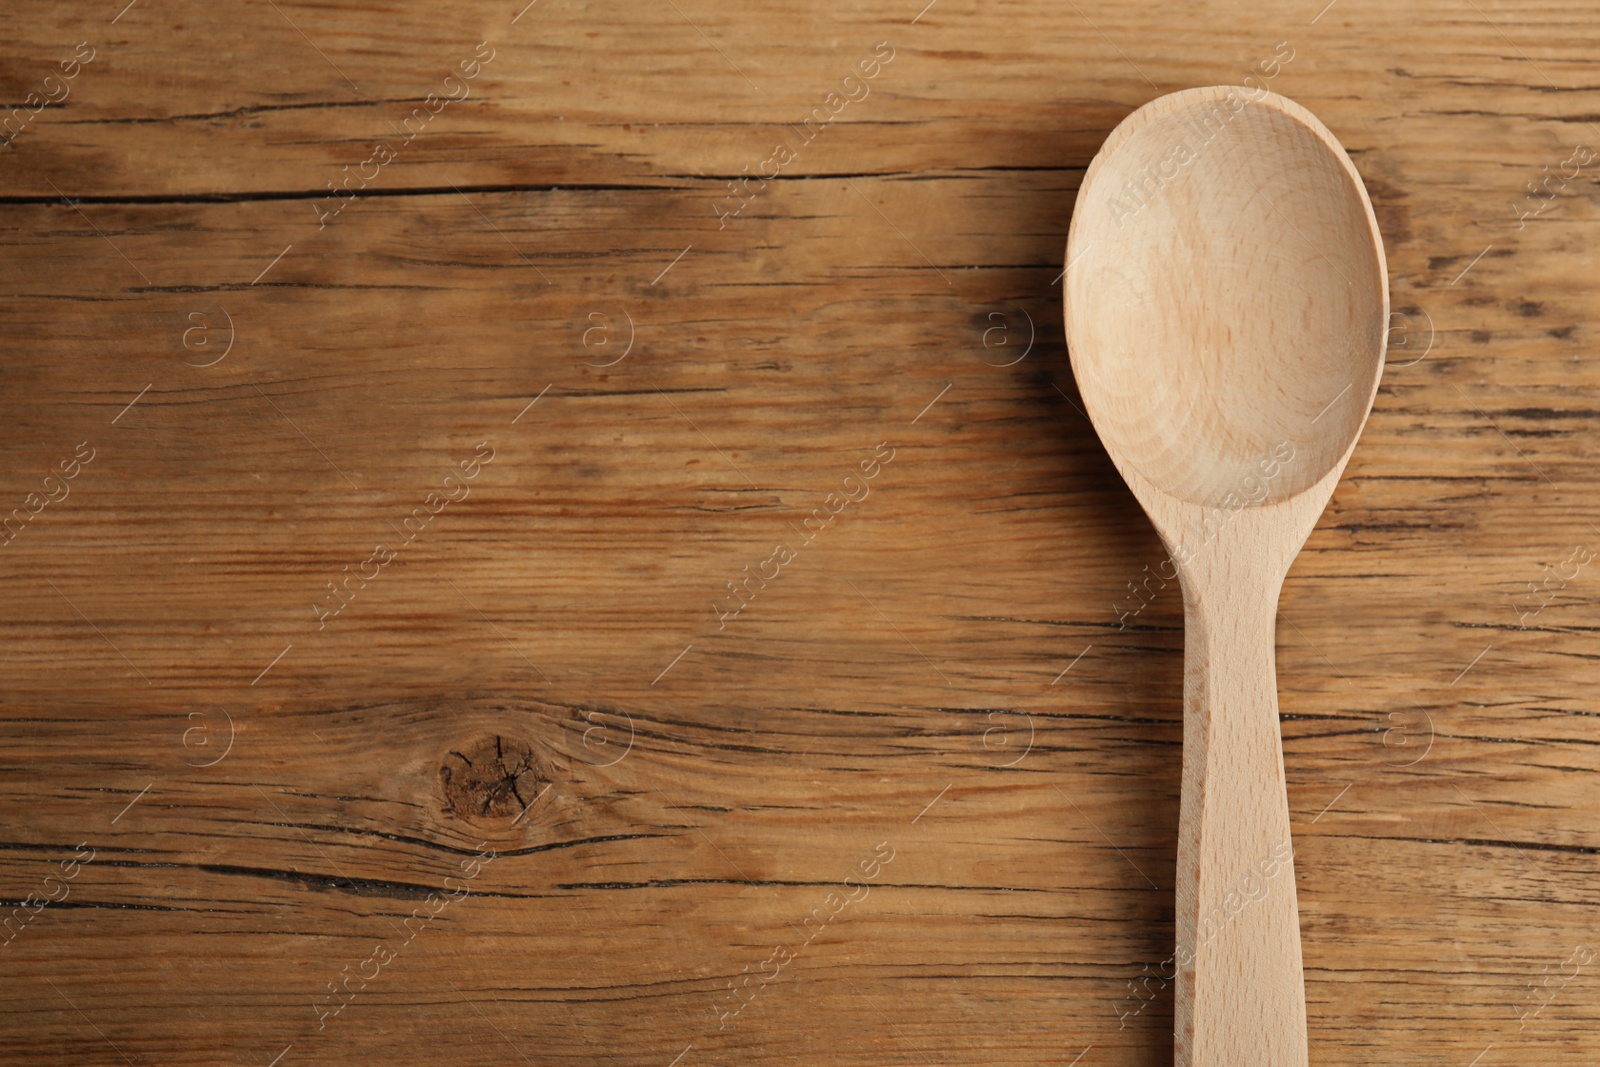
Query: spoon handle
1240 995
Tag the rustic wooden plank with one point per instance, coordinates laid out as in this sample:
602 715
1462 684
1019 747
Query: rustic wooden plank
954 666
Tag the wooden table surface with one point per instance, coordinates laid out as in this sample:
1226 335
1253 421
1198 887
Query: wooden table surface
566 536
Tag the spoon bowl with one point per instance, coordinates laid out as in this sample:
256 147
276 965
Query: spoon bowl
1227 308
1232 295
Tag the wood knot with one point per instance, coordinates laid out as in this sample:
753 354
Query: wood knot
495 776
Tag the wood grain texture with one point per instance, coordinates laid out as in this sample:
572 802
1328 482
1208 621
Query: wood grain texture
954 672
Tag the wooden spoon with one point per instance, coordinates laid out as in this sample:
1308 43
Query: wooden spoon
1227 306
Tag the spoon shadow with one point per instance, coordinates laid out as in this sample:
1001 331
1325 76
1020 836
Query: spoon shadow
1130 685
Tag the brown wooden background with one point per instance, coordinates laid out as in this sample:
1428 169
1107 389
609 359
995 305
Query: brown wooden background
267 801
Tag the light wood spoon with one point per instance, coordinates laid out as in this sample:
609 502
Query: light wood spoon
1227 305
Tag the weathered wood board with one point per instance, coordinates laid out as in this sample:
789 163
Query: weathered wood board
400 538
